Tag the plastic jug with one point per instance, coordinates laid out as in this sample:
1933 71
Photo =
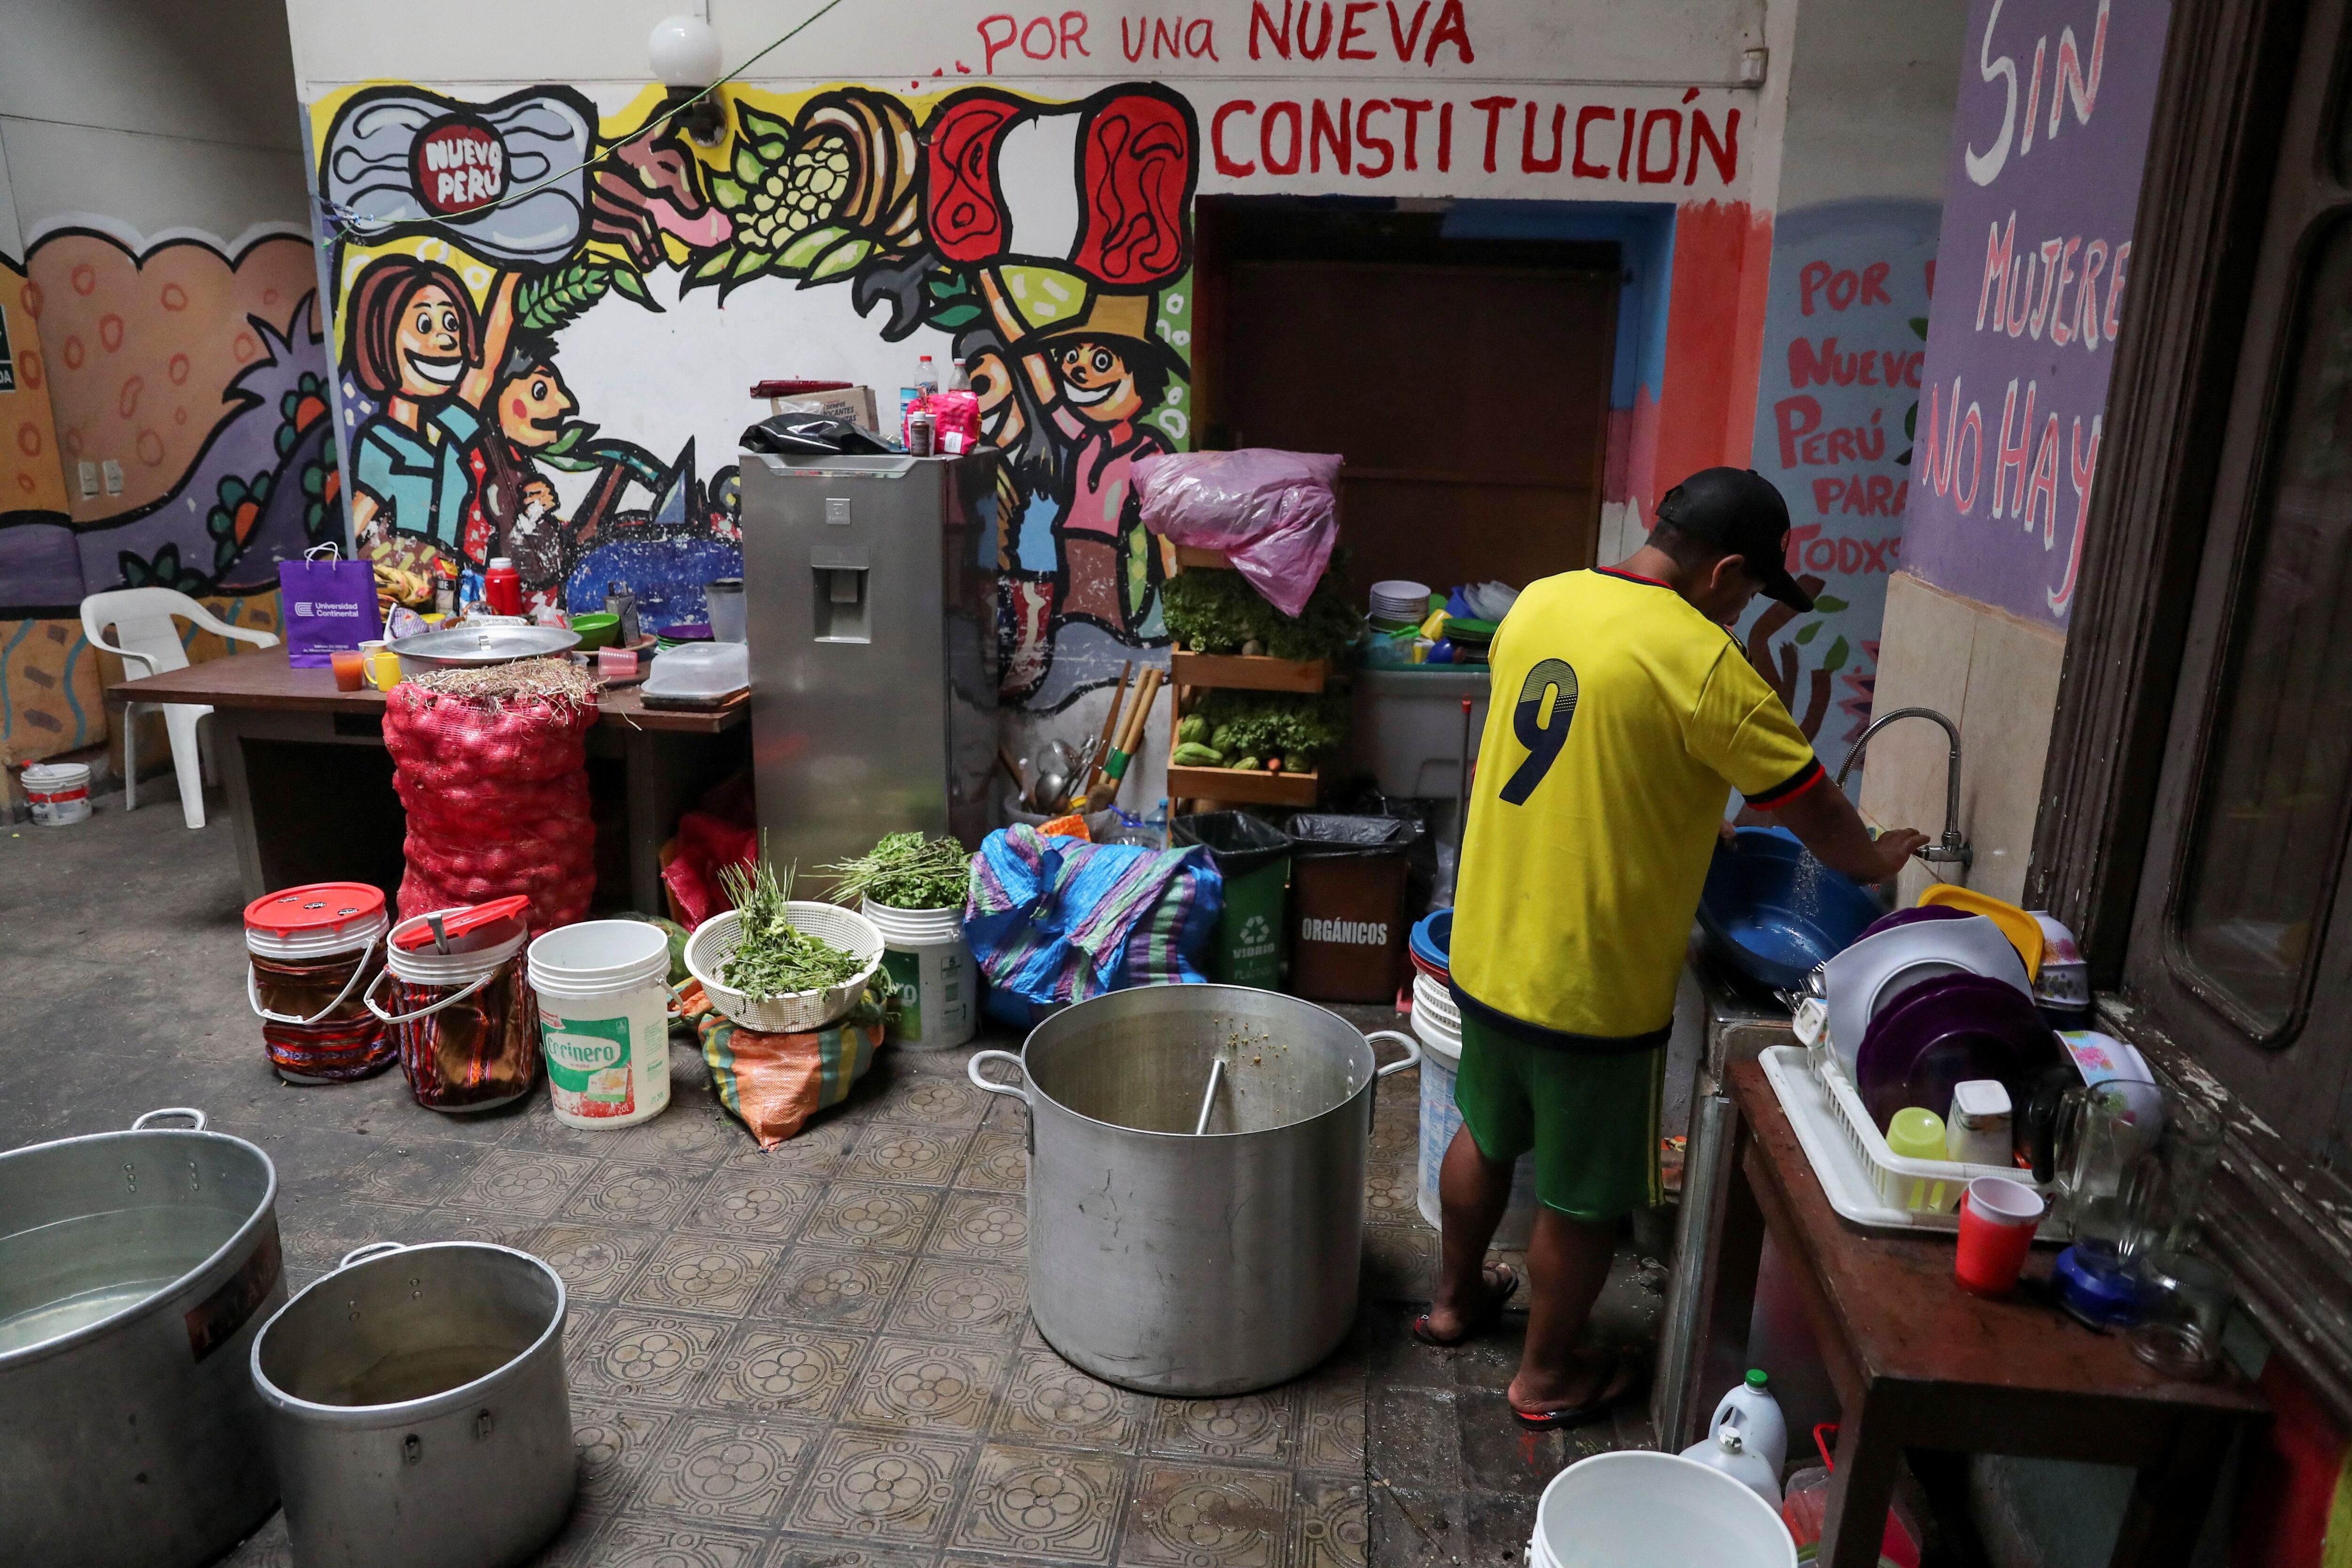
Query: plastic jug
1725 1451
1751 1409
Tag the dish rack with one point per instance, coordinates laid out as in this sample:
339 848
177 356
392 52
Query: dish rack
1865 1181
714 943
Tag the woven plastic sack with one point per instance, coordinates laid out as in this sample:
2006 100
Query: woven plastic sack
1271 512
1054 921
774 1083
497 797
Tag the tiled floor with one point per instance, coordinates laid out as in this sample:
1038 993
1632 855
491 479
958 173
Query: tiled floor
820 1356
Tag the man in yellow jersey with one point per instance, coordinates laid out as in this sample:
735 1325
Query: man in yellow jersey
1623 714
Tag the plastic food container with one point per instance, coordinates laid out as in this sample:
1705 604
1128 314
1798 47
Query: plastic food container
701 671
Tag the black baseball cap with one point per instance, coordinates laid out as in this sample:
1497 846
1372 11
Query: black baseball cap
1740 513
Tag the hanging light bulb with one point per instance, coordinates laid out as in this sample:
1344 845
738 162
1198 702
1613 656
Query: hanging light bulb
686 57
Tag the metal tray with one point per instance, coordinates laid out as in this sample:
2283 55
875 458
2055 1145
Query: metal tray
463 647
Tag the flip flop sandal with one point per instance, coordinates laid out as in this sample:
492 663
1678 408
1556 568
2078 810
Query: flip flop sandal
1624 1377
1489 1313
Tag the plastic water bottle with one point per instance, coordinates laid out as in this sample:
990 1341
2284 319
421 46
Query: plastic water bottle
1725 1451
1752 1410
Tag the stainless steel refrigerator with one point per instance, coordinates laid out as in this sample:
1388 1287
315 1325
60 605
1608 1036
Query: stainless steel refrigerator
869 587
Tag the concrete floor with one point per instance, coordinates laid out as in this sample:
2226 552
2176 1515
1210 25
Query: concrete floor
756 1337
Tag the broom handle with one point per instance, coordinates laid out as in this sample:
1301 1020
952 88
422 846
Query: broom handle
1110 727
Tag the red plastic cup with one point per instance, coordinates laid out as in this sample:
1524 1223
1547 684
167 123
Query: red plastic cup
351 670
1997 1220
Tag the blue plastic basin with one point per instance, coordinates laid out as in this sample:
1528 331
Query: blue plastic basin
1774 912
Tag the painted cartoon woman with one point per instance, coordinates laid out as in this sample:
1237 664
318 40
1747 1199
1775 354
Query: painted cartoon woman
513 510
417 346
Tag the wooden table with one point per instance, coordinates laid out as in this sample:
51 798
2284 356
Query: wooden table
310 783
1917 1362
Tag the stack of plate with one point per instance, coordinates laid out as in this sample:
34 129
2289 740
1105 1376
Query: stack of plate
1400 601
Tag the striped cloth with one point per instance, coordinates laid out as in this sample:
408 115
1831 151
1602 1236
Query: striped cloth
1054 921
774 1083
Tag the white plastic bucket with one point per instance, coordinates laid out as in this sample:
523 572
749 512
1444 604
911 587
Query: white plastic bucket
603 1020
931 967
1437 1023
58 793
1658 1509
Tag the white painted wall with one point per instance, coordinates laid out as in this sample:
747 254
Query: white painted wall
153 114
1871 91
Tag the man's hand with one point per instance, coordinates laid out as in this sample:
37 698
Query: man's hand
1895 846
1826 823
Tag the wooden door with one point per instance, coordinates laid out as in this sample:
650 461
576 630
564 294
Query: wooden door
1471 401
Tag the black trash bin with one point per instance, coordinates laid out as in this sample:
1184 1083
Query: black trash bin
1254 858
1347 906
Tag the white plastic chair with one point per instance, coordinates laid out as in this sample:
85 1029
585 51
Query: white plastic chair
148 644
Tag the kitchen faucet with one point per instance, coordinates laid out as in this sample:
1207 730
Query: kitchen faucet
1954 846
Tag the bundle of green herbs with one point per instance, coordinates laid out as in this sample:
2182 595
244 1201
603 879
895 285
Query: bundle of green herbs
905 871
774 957
1210 611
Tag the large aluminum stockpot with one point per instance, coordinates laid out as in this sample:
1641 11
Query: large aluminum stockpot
1196 1263
418 1409
134 1271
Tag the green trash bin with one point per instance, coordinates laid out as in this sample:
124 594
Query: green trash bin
1254 858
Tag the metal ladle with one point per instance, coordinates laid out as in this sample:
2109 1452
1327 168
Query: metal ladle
1209 1100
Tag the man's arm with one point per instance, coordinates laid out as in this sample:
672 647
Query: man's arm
1826 823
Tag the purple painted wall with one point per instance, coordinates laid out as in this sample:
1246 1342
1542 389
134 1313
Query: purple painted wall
2033 269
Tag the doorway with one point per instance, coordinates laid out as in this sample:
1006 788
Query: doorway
1464 379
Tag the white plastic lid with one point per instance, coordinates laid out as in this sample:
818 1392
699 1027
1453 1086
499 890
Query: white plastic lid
57 774
701 669
497 562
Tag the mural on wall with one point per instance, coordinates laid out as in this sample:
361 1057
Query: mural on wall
2043 180
190 377
1836 417
1049 243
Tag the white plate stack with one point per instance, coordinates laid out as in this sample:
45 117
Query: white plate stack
1400 601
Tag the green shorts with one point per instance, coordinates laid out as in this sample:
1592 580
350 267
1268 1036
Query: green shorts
1592 1120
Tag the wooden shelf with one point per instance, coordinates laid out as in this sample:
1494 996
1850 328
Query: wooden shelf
1246 672
1251 788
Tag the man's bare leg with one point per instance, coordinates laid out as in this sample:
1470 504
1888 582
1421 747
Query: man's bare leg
1472 1192
1568 1259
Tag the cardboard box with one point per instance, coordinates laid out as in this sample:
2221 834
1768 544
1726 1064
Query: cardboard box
855 404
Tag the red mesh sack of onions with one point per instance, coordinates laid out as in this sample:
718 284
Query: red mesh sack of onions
492 768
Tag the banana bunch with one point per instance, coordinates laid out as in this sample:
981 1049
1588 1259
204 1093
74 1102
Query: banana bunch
402 585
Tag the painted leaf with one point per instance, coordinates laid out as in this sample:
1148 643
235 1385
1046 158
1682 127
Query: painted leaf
1919 328
1807 632
840 259
710 267
1828 603
630 285
748 263
757 126
726 192
1835 660
1911 422
802 253
747 167
955 317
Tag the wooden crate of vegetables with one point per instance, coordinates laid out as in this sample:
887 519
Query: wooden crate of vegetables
1253 721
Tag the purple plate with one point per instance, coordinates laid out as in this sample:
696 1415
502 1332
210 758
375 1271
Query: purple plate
1944 1032
1913 917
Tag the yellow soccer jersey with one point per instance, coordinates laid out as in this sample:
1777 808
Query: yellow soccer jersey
1619 716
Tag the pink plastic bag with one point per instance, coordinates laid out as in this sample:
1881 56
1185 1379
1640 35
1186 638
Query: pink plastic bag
1271 512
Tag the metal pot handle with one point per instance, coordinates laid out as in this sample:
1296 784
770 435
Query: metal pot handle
972 1071
368 996
190 1111
373 1249
1411 1050
264 1013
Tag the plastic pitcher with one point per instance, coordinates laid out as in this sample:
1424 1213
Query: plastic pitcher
1727 1452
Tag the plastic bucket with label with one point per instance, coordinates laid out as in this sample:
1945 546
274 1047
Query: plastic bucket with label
603 1020
310 954
930 969
58 793
465 1028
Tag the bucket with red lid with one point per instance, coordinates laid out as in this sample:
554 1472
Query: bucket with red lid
462 1019
310 954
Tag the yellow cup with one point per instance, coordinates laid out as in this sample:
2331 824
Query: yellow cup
382 665
1917 1133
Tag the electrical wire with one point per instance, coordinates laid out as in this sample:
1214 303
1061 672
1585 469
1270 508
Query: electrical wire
358 227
